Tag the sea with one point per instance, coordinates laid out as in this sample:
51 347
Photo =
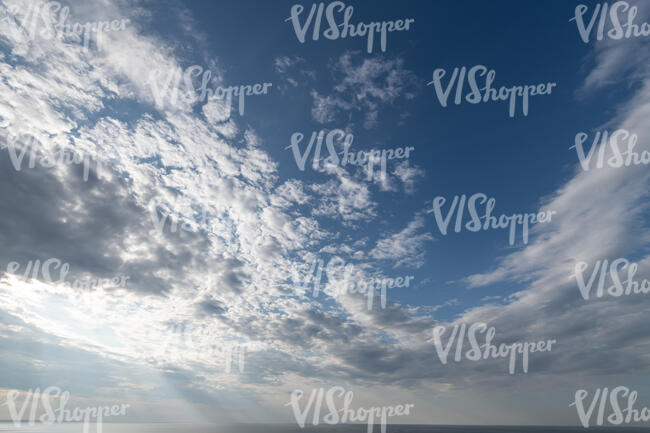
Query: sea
293 428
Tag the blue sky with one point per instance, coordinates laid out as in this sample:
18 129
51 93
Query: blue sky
270 220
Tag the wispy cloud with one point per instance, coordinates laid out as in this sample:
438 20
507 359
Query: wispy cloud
364 85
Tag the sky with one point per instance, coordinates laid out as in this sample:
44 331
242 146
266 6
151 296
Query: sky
236 270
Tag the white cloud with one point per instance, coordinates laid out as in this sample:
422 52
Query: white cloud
405 248
365 86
